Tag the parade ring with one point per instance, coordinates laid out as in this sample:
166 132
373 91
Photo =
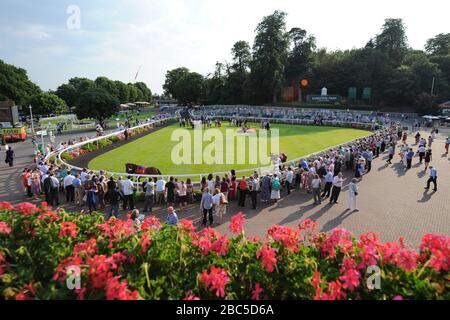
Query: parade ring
197 175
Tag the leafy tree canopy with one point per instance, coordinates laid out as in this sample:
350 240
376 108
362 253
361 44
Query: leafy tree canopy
46 103
98 104
15 85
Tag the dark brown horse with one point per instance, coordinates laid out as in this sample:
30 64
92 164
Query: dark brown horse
135 169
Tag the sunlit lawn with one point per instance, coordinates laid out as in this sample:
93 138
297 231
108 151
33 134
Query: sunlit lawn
156 148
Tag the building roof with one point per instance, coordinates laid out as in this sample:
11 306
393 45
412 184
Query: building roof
445 105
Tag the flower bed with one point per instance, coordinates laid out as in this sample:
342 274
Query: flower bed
94 146
38 246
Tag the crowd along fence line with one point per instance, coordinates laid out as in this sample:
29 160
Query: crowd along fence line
259 170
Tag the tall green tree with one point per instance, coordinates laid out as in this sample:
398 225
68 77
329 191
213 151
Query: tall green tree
400 89
423 70
98 104
82 84
393 41
107 85
146 92
46 103
270 52
15 85
190 88
237 83
172 77
241 56
439 45
215 84
300 58
133 93
68 93
122 91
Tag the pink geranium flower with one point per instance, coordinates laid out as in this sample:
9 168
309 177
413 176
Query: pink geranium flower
237 223
316 281
339 238
26 208
334 291
220 246
216 280
63 266
209 239
436 249
350 279
68 229
187 226
116 290
288 237
100 270
4 228
257 292
2 263
86 248
6 206
48 216
204 244
151 223
146 242
268 255
190 296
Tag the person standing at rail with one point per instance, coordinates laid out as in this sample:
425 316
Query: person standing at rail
337 185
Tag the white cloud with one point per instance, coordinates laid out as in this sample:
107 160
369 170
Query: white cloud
26 31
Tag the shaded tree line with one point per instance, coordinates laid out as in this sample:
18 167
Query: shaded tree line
398 75
123 92
98 99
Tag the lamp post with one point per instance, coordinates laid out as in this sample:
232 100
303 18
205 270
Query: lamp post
431 96
432 86
31 116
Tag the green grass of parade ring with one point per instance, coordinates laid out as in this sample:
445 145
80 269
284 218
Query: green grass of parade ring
155 149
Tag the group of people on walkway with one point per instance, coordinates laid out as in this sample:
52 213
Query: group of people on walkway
322 177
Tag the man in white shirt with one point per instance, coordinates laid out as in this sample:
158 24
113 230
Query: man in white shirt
289 180
128 189
149 195
422 151
68 187
329 179
43 168
54 190
160 189
337 185
83 176
316 163
210 183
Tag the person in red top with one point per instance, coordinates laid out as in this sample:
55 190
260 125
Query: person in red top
25 176
243 189
232 190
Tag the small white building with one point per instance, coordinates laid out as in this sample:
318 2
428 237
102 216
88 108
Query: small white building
445 107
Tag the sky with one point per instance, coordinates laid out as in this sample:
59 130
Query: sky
115 38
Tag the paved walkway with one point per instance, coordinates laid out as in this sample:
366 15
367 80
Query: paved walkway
392 200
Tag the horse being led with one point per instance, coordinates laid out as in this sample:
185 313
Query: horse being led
135 169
